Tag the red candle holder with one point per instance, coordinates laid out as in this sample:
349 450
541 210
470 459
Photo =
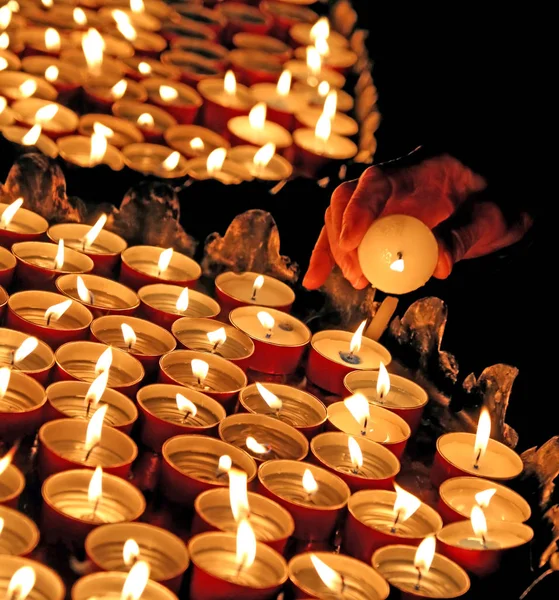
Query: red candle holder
193 67
241 132
194 334
25 226
150 120
26 313
12 485
313 154
99 95
379 466
151 160
37 364
68 514
181 27
296 408
458 542
341 60
149 343
21 406
67 399
275 439
253 67
140 268
370 524
47 583
316 514
105 251
162 418
10 82
3 301
142 67
281 109
271 523
20 534
330 359
165 552
77 361
216 576
241 17
64 123
300 35
36 44
160 304
223 382
7 267
386 428
191 465
66 78
277 350
213 19
263 43
211 51
123 133
36 268
286 15
193 141
110 584
183 106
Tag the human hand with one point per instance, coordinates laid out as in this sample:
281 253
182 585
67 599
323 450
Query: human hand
435 192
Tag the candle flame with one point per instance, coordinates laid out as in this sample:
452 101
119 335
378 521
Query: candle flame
4 41
55 311
309 482
230 83
330 104
13 5
93 46
383 381
321 29
284 83
424 554
271 399
119 89
95 428
479 523
255 446
101 129
482 435
355 453
314 60
5 16
3 63
246 545
257 116
47 3
484 498
27 88
95 489
52 39
97 389
197 143
330 578
79 15
182 301
322 46
215 160
127 30
10 212
136 581
238 495
323 89
355 344
137 6
217 337
224 464
200 369
51 73
46 113
21 583
128 334
185 405
263 156
3 104
6 460
5 374
95 230
266 320
323 128
406 504
26 348
104 361
1 525
59 258
164 260
144 68
130 552
145 120
257 285
172 161
83 292
168 93
32 136
398 265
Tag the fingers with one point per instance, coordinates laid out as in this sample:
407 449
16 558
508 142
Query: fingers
321 263
347 261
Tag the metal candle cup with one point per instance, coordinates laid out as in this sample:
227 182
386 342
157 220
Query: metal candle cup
62 448
281 441
386 428
24 227
12 484
278 351
37 364
165 553
16 135
379 468
67 399
360 581
77 362
21 407
104 252
191 466
139 268
132 111
223 383
217 55
327 366
151 342
445 579
20 535
316 515
35 264
184 108
341 124
371 519
216 575
7 266
162 419
64 122
455 458
159 304
180 138
76 151
68 514
124 133
482 558
210 18
47 586
271 523
109 585
405 398
457 497
299 409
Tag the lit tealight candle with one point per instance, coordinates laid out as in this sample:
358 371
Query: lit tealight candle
216 166
56 120
193 140
262 163
340 124
242 289
101 94
19 224
15 85
178 99
156 160
150 120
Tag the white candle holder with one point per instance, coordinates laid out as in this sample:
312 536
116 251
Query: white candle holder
20 535
48 585
110 584
37 364
12 484
124 132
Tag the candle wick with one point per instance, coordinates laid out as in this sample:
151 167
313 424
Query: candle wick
269 334
48 320
355 470
418 583
484 541
365 424
393 529
83 245
253 297
476 464
87 409
129 346
214 349
89 452
186 415
95 508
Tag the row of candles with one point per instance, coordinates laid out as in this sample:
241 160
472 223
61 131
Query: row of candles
299 122
86 415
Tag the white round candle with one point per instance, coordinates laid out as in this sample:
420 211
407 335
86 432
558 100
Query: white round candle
76 149
316 99
500 535
64 120
287 330
336 147
337 58
145 260
123 132
139 114
335 346
153 159
241 128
